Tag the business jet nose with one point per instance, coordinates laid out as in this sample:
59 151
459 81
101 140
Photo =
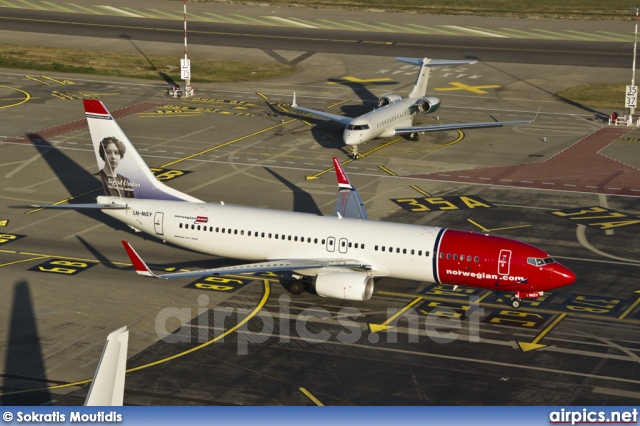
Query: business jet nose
350 137
562 275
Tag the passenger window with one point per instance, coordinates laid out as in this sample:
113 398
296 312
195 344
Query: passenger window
375 248
426 253
469 258
404 251
419 252
455 257
198 227
382 248
476 259
448 255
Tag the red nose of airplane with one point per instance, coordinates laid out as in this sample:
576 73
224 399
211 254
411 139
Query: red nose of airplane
562 275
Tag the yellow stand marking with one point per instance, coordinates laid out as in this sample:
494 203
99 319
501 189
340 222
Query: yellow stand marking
27 96
497 229
357 80
631 308
423 192
384 169
311 397
385 325
38 80
317 175
338 103
475 89
262 95
263 301
526 347
4 223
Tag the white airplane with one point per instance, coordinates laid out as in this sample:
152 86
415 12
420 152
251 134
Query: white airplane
338 255
394 115
107 387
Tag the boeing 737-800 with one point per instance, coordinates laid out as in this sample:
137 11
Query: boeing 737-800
340 254
395 114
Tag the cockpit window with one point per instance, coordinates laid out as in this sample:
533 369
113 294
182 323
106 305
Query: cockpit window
358 127
540 262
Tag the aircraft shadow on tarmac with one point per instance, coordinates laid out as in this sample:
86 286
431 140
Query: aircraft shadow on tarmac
302 201
24 366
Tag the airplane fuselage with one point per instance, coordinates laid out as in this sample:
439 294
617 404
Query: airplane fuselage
381 122
421 253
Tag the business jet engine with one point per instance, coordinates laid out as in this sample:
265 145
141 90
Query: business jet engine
345 285
428 104
389 99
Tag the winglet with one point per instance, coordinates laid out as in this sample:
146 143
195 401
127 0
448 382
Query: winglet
138 264
107 388
343 180
294 103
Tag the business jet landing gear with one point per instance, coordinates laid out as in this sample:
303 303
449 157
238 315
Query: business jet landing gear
354 153
414 137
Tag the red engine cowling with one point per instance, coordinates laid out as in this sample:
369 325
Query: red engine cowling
345 285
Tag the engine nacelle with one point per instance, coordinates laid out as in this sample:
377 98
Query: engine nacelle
389 99
428 104
345 285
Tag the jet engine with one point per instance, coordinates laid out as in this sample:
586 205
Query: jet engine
428 104
345 285
389 99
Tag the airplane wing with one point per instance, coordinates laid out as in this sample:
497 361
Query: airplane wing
107 388
455 126
252 268
338 118
349 203
110 206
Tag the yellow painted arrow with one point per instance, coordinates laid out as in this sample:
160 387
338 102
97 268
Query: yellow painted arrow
385 325
526 346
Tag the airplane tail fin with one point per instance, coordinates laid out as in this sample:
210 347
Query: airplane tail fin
425 64
123 172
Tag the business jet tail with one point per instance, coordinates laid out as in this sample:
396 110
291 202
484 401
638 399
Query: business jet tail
425 64
128 177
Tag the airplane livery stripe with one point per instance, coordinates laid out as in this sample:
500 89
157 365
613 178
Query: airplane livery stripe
436 252
93 106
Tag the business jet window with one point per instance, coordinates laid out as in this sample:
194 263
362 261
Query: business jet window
358 127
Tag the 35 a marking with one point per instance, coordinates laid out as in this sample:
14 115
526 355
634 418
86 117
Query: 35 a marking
427 204
597 216
63 266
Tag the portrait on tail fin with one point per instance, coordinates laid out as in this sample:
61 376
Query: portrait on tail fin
112 151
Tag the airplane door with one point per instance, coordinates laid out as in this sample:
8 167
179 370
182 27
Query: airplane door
342 245
331 244
157 223
504 262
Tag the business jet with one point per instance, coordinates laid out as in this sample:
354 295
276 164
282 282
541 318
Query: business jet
338 255
395 114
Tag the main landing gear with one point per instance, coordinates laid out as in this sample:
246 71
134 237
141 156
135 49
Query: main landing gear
300 285
414 137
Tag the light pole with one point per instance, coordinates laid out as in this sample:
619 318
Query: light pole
632 91
185 65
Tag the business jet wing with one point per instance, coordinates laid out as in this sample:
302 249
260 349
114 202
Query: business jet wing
107 387
455 126
252 268
349 203
338 118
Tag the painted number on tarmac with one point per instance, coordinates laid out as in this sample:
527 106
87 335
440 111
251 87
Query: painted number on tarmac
589 304
7 238
598 217
168 174
427 204
62 266
517 319
444 309
228 285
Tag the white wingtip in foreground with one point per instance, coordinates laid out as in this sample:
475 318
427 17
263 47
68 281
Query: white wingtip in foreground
107 388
